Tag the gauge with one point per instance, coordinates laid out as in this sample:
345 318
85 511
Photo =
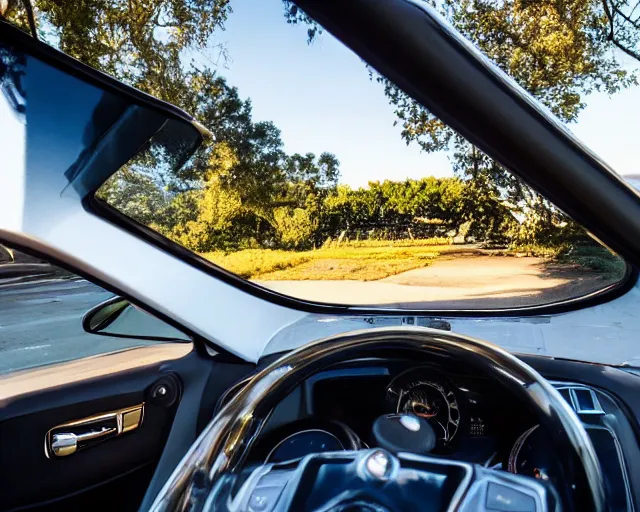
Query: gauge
421 392
304 443
529 456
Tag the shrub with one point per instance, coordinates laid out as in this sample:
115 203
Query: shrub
294 226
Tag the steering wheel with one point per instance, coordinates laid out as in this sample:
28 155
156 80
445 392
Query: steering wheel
210 477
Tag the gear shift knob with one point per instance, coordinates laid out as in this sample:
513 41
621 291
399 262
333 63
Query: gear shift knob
403 433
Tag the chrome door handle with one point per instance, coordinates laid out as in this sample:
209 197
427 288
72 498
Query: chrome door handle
68 438
66 443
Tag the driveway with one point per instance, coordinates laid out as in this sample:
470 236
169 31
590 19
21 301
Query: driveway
463 282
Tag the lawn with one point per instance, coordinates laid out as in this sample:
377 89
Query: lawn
590 258
363 260
373 260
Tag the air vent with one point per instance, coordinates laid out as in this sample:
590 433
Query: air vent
583 400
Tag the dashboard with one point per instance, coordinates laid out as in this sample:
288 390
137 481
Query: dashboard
474 419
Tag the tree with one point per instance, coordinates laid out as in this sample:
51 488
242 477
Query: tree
141 42
323 173
558 50
137 196
623 18
295 226
241 176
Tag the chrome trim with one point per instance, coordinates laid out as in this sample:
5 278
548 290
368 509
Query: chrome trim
515 450
379 465
267 461
62 444
221 448
597 408
572 388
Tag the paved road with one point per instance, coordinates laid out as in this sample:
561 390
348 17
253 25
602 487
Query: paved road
40 323
469 282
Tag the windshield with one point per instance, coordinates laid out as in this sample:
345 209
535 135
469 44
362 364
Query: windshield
325 183
375 202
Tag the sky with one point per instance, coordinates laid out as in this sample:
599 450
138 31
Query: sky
321 98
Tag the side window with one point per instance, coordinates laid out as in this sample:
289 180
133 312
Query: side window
49 315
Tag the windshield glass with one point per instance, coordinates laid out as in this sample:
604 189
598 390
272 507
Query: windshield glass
323 181
327 183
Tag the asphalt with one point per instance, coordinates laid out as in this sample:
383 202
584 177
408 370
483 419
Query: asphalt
41 318
463 282
41 323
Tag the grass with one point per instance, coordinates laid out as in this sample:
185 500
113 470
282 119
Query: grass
538 251
370 260
597 259
359 260
251 263
593 258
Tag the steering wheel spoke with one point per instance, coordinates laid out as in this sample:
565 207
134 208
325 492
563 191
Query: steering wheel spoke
498 491
377 481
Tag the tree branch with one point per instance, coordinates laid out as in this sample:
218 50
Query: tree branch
609 16
626 50
627 18
612 36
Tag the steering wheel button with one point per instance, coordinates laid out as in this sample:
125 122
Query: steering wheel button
506 499
275 479
263 499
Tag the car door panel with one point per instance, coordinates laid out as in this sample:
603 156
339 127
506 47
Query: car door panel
31 478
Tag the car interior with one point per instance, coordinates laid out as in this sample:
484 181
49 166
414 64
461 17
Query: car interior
378 419
336 409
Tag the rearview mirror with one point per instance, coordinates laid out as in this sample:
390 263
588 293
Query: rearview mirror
119 318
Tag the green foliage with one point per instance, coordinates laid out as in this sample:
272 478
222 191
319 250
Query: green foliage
294 226
595 258
204 218
244 191
140 42
214 216
144 44
137 196
558 50
426 208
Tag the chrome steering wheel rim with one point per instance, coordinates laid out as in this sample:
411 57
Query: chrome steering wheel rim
221 448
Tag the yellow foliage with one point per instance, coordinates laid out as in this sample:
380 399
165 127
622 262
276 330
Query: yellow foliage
253 262
294 225
365 260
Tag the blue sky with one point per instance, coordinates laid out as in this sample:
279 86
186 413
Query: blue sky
322 99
